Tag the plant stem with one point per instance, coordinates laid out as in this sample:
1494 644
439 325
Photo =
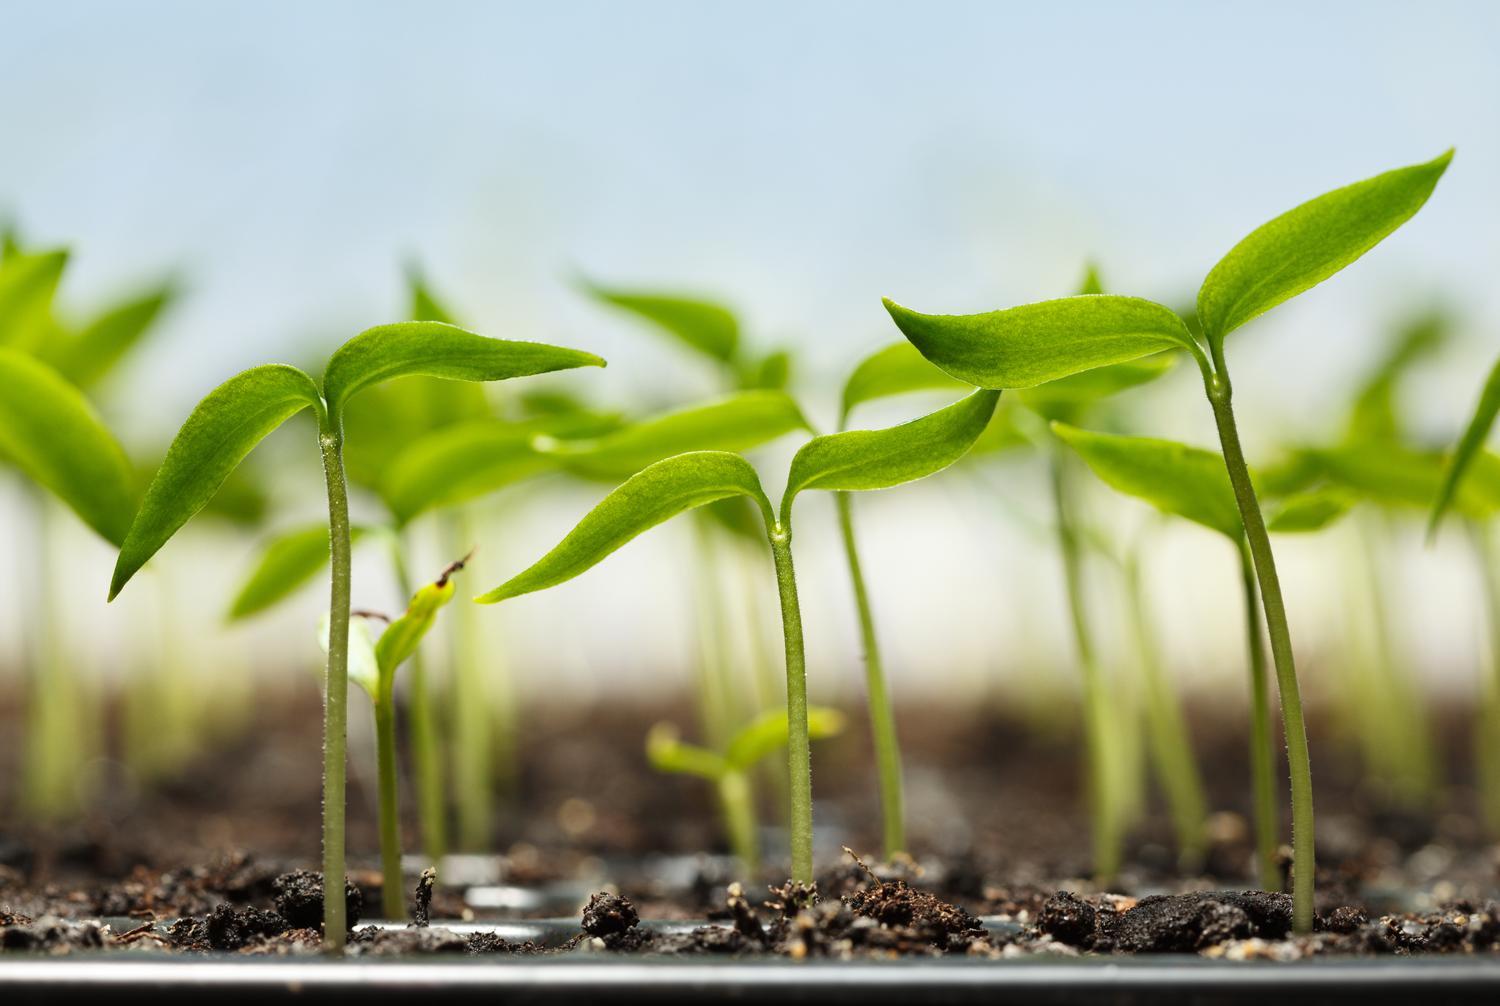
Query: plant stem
1171 746
1103 818
1262 752
1487 741
427 757
798 751
473 750
1299 761
392 900
336 686
882 714
738 804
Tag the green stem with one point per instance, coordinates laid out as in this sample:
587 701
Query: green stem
336 687
738 803
798 750
473 751
1171 746
1299 761
1262 751
427 757
1103 819
882 714
1487 742
392 901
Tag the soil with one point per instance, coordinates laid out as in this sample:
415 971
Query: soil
1002 852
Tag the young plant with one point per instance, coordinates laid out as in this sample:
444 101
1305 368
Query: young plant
729 770
1030 345
237 415
852 460
373 667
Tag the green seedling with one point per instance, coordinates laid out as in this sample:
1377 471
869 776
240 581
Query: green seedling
237 415
729 770
852 460
373 667
1030 345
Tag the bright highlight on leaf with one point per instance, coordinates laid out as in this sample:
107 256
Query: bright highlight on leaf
50 432
1304 246
1025 346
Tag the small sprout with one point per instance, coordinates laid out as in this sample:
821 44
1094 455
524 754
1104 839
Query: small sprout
729 770
854 460
1035 343
237 415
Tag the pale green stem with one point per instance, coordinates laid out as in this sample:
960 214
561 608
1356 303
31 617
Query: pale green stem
1103 816
473 751
1487 744
1299 760
427 757
738 804
392 901
715 690
1171 746
882 714
798 749
336 687
1262 750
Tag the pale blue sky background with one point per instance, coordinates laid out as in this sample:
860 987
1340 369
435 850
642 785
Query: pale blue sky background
799 159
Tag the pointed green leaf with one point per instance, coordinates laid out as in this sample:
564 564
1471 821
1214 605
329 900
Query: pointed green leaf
767 733
898 369
433 349
645 500
28 282
425 304
50 432
458 464
879 459
95 351
224 427
1175 478
735 423
1024 346
287 562
668 752
1091 283
382 421
401 638
1396 476
1469 446
1311 511
1303 247
772 372
710 328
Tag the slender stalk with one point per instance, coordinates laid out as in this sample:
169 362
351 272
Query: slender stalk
392 901
798 750
738 804
1487 742
426 755
882 714
336 686
1103 817
473 747
1171 746
1262 753
1299 761
715 690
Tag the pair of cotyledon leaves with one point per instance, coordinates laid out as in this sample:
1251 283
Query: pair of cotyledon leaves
234 417
373 663
753 742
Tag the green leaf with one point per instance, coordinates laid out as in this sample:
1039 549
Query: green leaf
28 282
1024 346
224 427
1091 283
287 562
90 355
384 420
425 304
645 500
363 670
433 349
897 369
1469 446
401 638
767 733
50 432
1311 511
1373 415
1303 247
1068 397
461 463
668 752
772 372
707 327
736 423
879 459
1175 478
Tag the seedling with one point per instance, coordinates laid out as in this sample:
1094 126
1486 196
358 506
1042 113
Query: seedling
853 460
237 415
729 770
1030 345
373 667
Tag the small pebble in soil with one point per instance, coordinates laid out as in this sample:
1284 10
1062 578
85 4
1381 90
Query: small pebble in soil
608 915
